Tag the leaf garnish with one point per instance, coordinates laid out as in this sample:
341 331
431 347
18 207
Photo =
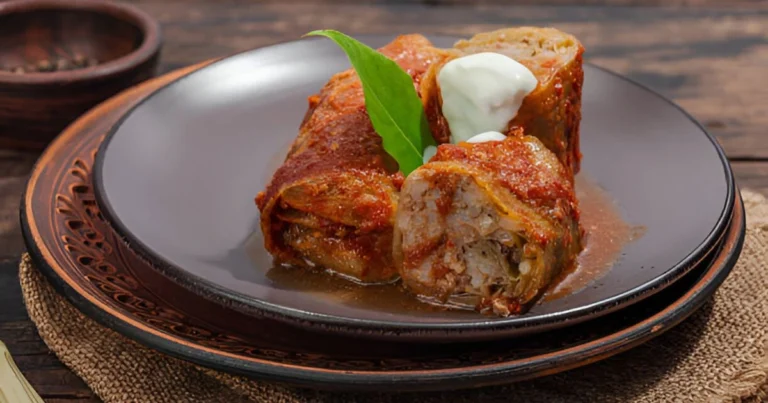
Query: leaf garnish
391 100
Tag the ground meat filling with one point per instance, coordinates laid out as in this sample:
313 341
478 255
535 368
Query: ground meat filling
481 261
491 271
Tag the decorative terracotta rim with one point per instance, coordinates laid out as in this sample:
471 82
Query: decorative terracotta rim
150 45
261 308
477 375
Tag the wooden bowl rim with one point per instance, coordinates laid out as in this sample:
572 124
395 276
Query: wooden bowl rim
150 45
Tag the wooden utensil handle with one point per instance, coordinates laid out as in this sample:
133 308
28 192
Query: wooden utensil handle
14 388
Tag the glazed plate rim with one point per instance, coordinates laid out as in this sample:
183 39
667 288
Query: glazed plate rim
721 264
391 328
33 219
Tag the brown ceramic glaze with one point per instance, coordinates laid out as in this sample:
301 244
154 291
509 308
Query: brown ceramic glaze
176 178
117 44
74 247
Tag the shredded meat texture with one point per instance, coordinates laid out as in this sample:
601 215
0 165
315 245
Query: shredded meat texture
337 175
487 224
523 167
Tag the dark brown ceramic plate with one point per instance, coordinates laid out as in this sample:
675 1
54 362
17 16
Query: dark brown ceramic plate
74 247
176 177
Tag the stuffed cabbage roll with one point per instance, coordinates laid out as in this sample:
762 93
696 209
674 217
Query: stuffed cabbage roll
487 225
332 202
552 112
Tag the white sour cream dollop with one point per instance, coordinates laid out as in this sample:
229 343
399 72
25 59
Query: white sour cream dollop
430 151
487 136
482 93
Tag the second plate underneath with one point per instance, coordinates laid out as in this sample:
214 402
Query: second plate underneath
177 176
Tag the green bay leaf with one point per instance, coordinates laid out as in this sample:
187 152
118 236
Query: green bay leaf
391 100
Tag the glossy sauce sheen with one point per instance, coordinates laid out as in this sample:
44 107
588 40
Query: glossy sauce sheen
606 235
331 202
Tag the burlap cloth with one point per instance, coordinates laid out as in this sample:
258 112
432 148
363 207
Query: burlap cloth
719 354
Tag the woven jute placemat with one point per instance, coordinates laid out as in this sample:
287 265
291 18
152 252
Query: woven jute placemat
720 354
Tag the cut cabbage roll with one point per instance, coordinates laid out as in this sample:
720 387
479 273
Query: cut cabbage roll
487 225
552 112
332 202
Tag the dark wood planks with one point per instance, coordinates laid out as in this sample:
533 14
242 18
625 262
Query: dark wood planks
752 4
55 383
50 378
14 169
709 55
708 60
752 175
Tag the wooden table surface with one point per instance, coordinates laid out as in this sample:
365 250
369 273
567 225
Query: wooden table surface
711 56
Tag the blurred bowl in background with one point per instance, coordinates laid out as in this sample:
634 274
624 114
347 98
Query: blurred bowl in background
60 58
